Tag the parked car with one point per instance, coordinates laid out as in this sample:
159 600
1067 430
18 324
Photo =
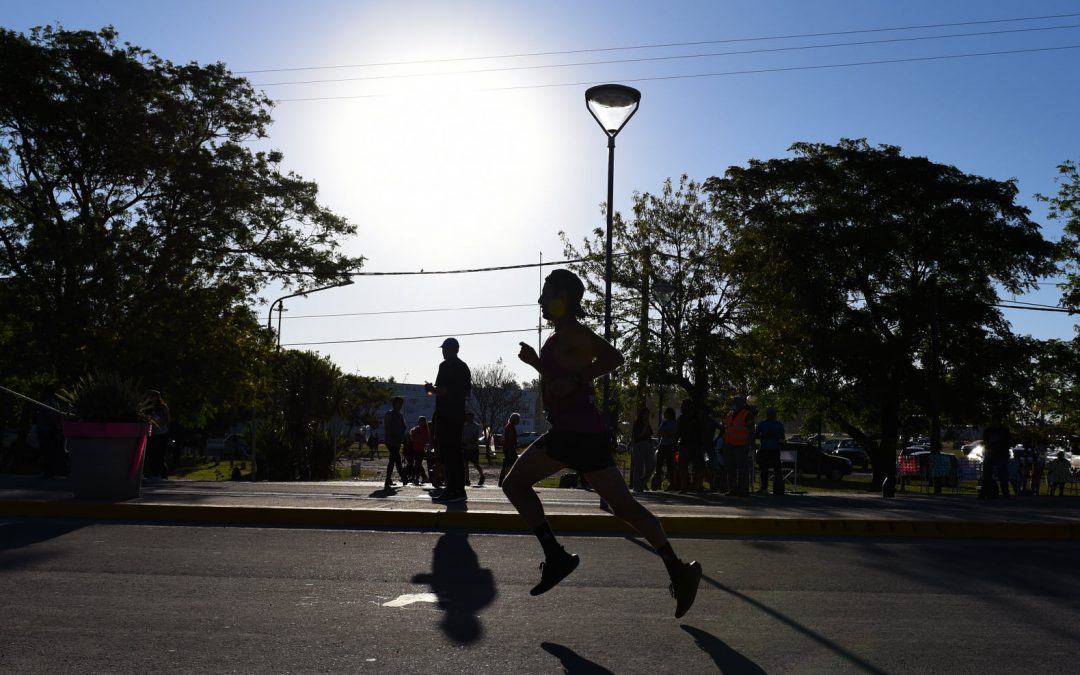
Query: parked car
968 447
923 457
856 455
914 449
811 460
832 443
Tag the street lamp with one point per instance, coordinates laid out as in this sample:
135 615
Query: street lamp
612 106
270 316
663 290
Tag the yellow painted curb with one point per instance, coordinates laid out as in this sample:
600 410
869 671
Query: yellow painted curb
437 518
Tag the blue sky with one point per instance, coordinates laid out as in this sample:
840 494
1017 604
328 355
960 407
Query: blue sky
456 171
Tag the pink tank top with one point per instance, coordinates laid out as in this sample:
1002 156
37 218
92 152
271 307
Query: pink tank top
576 411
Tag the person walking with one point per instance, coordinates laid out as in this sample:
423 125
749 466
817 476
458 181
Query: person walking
394 434
452 387
470 443
644 451
509 446
737 426
373 445
579 438
770 433
665 451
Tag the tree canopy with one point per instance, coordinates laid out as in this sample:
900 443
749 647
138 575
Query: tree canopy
876 273
136 223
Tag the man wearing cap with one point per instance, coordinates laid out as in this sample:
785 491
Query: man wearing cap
451 389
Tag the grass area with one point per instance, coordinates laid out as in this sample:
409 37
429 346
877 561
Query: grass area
212 470
370 470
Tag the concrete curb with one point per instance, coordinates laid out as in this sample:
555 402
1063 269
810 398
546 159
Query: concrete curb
437 519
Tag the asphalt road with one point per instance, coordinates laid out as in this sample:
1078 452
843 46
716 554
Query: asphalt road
135 598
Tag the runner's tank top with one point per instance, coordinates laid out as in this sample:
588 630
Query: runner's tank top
576 411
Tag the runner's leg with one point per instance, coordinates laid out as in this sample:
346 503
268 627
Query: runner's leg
531 466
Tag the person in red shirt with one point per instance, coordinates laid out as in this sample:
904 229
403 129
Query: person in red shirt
414 456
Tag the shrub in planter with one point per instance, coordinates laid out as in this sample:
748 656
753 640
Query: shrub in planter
107 438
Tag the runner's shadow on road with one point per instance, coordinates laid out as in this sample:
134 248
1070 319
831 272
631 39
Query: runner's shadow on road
572 662
853 659
727 659
462 586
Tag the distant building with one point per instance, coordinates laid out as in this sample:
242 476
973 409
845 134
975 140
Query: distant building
417 403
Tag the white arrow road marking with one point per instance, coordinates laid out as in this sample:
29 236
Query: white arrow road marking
410 598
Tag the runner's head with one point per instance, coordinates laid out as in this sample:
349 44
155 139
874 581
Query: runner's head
561 295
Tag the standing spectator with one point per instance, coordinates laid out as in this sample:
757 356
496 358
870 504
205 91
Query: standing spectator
159 435
997 440
643 449
665 451
470 443
737 428
1057 473
770 433
419 436
688 447
50 435
452 387
509 446
394 433
938 467
373 444
1038 466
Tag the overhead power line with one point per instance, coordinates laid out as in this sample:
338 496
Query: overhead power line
766 50
410 311
754 71
264 270
410 337
1059 310
665 45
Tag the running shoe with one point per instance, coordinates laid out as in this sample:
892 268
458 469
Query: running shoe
554 571
684 587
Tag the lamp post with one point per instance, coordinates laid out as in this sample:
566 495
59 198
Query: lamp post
663 290
278 302
269 326
612 106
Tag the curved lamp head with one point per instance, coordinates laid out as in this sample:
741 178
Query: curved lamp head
612 105
663 290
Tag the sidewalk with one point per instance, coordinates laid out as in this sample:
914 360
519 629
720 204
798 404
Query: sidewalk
364 504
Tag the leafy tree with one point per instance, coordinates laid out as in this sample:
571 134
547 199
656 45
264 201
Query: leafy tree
1065 206
873 277
135 224
674 238
363 399
495 395
310 391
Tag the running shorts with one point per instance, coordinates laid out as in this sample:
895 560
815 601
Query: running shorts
580 450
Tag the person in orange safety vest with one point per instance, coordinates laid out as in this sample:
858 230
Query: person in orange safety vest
738 424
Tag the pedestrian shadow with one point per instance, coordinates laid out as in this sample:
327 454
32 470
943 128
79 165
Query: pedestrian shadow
727 659
572 662
462 586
